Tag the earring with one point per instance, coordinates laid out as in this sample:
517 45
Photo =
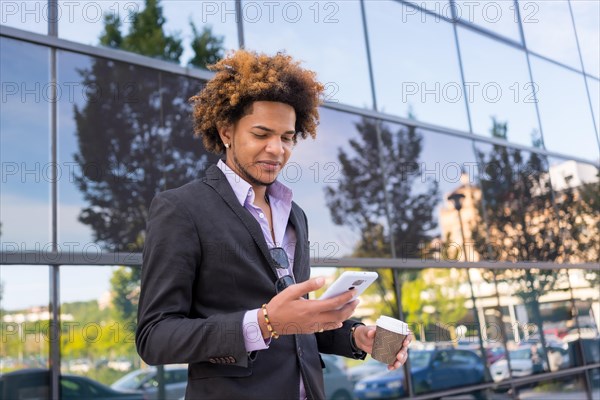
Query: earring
227 145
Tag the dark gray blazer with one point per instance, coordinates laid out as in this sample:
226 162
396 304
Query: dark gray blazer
205 263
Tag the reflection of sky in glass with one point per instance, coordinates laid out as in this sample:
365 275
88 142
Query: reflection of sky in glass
24 286
70 199
497 16
587 22
313 166
25 145
339 59
31 15
564 110
500 87
441 7
84 23
415 65
594 88
549 31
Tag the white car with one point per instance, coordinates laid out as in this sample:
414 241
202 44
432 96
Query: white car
145 381
521 364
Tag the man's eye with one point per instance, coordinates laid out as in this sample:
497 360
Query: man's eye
258 135
288 139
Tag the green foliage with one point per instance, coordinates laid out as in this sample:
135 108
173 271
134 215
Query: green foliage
125 284
208 49
112 37
147 36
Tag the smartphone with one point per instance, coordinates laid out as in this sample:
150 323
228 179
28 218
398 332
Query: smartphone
359 280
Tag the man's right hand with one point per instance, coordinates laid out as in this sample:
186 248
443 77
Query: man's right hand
290 313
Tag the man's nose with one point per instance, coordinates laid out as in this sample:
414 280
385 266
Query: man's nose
275 145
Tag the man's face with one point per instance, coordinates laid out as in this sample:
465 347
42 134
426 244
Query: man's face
261 142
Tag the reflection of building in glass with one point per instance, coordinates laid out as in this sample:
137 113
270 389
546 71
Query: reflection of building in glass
523 120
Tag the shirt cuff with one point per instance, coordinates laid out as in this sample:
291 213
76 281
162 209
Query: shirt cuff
253 339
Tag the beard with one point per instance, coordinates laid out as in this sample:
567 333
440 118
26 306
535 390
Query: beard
246 175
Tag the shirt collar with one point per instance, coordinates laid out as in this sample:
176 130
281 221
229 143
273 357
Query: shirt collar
277 191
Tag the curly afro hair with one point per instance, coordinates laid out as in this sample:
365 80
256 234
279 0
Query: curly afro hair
244 77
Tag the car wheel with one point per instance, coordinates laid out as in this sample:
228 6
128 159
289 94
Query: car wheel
341 395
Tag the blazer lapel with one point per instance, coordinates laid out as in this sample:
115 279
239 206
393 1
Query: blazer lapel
218 181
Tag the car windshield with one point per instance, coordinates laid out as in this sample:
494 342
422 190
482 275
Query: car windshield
419 359
132 381
521 354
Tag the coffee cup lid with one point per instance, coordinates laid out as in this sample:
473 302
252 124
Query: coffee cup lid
392 324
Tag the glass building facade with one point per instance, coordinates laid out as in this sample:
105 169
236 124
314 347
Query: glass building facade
457 155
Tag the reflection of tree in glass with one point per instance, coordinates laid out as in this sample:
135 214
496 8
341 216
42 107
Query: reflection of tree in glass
135 139
358 200
522 223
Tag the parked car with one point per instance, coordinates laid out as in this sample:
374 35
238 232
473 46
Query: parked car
145 381
337 384
367 368
431 370
521 363
29 384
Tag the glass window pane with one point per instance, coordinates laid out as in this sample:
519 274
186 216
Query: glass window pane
564 110
587 23
218 16
521 222
415 65
594 88
85 22
327 189
549 30
340 58
145 147
25 147
25 293
575 187
29 15
500 88
497 16
441 7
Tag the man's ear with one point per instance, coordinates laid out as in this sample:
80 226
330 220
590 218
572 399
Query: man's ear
225 132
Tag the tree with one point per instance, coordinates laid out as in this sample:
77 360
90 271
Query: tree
522 222
147 35
359 199
208 49
134 141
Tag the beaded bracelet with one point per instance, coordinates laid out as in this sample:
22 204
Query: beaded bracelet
272 331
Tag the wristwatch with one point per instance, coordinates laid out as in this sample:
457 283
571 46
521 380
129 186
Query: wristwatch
357 353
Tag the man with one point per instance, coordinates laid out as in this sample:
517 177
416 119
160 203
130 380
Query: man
225 276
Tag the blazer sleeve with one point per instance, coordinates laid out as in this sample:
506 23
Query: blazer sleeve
166 333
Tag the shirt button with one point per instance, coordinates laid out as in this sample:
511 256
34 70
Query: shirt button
261 215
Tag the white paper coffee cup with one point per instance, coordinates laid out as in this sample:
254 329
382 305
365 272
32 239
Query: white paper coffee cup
389 336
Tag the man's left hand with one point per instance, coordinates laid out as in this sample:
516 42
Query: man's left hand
364 337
